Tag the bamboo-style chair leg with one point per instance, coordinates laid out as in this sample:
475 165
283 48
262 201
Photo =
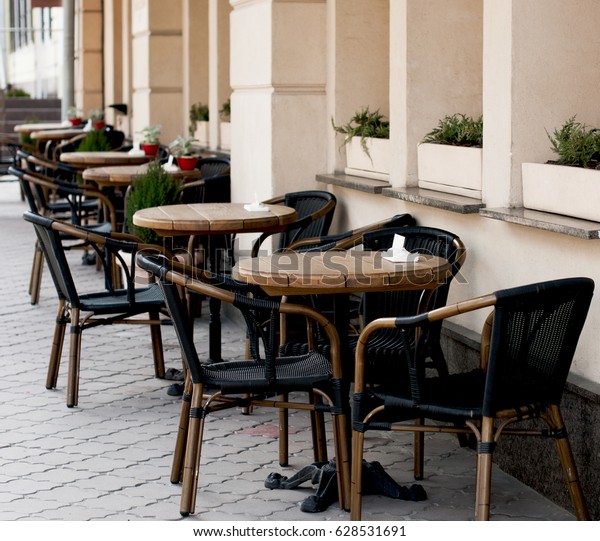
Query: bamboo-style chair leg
193 453
485 451
418 451
283 434
567 461
35 281
57 346
317 421
157 346
182 432
356 476
74 359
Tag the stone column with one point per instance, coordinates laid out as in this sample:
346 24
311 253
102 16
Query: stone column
157 67
279 117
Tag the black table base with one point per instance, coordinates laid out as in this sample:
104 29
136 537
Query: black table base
324 475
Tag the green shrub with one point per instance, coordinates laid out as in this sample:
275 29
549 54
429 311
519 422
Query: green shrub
364 124
154 188
94 141
198 113
576 144
15 92
457 130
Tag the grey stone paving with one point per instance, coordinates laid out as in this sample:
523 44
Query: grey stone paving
109 458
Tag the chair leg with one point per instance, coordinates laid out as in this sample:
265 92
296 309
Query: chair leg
565 453
157 346
283 433
57 346
74 358
418 451
356 476
341 439
182 431
319 437
193 453
485 451
35 280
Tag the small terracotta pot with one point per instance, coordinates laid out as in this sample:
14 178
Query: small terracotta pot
150 149
76 121
186 163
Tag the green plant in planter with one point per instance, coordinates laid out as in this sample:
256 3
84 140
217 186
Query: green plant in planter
225 111
457 130
198 113
95 140
576 144
150 134
364 124
152 189
182 146
15 92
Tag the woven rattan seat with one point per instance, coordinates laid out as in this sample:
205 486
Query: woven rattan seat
527 348
264 379
107 306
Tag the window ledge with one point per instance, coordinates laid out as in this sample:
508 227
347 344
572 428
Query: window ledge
556 223
430 198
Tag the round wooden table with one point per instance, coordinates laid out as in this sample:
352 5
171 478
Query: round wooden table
213 218
83 160
115 176
29 127
56 135
332 272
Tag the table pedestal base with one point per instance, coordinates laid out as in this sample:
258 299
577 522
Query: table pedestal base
323 474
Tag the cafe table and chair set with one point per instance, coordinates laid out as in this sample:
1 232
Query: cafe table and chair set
346 324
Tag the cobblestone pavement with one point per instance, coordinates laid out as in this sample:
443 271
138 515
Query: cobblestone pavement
109 458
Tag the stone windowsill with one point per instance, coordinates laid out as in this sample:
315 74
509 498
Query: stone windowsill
583 229
430 198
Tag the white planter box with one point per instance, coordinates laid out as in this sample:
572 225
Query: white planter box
561 189
450 169
359 164
225 130
201 133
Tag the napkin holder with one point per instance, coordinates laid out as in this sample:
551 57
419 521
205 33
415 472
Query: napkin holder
136 151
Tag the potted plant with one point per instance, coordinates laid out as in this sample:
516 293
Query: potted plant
97 118
94 141
367 144
569 185
154 188
225 125
449 158
74 116
150 142
199 123
181 148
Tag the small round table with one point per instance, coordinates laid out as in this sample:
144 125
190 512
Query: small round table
117 176
83 160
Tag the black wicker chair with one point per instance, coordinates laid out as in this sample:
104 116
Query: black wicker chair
527 349
314 213
105 307
253 382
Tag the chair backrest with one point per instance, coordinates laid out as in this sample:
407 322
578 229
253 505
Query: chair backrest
51 234
314 211
422 240
212 167
534 334
215 189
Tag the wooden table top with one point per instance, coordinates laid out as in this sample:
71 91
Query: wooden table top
55 135
29 127
353 271
213 218
84 160
124 175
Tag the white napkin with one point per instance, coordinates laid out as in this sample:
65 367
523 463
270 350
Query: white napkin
88 126
257 206
170 166
136 150
66 123
399 254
